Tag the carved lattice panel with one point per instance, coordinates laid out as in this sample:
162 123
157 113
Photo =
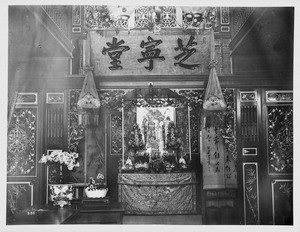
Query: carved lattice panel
168 16
280 139
182 126
116 133
21 143
142 16
76 132
249 124
55 125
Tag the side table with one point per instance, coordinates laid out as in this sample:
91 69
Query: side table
111 213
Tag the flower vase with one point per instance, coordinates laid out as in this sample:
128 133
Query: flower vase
61 194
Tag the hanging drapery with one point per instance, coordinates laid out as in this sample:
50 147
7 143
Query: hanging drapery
213 99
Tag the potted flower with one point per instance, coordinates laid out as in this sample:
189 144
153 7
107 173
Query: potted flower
96 190
173 143
61 194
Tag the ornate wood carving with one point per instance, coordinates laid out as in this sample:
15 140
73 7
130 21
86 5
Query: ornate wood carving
251 194
54 127
280 139
116 133
19 196
249 133
76 132
21 143
282 202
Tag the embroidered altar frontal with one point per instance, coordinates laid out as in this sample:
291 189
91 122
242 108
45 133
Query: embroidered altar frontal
168 193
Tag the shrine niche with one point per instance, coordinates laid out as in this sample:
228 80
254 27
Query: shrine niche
156 130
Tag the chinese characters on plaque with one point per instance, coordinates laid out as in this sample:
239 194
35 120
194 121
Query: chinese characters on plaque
115 51
152 52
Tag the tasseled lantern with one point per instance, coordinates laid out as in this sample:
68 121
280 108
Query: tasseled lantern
88 101
213 99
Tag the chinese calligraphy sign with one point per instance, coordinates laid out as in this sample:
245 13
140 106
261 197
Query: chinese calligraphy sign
143 54
151 52
115 51
186 52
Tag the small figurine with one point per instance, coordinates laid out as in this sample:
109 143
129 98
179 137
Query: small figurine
182 162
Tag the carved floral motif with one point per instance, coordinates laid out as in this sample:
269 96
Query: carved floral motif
280 139
21 143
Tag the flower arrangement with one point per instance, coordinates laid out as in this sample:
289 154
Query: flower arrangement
62 157
93 185
173 142
96 190
135 139
169 158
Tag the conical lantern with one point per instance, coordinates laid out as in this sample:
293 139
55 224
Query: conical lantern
213 99
88 97
88 101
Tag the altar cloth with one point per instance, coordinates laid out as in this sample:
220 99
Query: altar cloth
168 193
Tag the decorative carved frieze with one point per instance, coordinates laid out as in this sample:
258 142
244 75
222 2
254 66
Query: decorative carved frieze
279 96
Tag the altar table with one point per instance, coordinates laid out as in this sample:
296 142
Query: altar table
165 193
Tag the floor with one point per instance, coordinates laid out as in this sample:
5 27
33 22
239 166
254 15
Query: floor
190 219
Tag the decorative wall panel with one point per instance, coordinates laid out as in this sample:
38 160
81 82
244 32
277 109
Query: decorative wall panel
279 96
282 202
194 99
280 139
26 99
249 96
182 121
116 133
19 196
21 143
55 98
225 17
55 126
76 135
76 132
249 124
251 194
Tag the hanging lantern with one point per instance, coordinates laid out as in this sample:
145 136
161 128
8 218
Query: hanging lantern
88 101
213 99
